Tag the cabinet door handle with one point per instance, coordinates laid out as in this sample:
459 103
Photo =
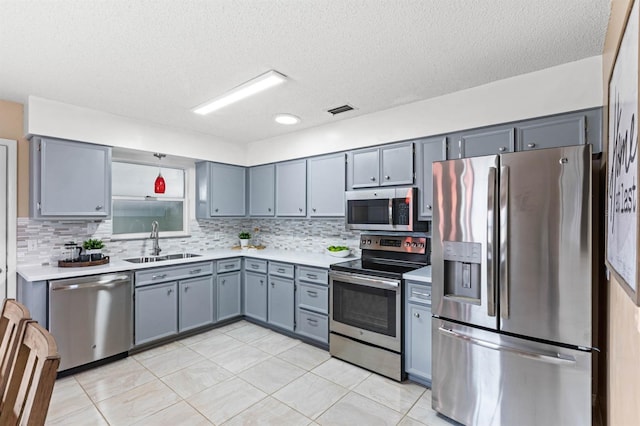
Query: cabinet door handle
169 292
417 315
531 145
158 277
312 293
223 281
98 207
269 209
186 288
216 210
261 282
314 210
195 271
429 207
300 209
312 276
387 177
372 178
502 149
273 285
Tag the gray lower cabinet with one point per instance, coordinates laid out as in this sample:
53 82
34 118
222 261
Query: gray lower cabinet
312 303
427 151
220 190
418 332
255 295
156 312
280 300
262 190
195 297
326 185
229 295
69 179
291 188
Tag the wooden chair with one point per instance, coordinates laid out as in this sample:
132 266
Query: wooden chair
26 400
13 318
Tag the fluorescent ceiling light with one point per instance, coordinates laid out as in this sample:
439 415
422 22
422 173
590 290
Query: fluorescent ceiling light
251 87
287 119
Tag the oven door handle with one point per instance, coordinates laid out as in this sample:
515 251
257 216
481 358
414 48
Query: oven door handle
364 280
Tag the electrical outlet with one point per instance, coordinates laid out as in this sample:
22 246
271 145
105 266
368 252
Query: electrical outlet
32 245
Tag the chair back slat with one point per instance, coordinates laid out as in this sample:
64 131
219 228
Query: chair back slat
12 319
31 379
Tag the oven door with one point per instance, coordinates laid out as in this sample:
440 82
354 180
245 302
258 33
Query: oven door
366 308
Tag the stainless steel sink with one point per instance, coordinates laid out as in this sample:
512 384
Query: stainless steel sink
149 259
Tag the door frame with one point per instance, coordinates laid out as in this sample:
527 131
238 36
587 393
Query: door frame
10 290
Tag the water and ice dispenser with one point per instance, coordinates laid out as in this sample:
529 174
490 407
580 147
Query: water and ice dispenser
462 270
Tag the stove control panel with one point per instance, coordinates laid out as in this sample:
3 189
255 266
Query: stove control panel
407 244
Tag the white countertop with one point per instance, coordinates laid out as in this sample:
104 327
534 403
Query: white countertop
41 273
422 275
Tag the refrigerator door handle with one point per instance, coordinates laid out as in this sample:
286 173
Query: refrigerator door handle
504 246
549 357
491 219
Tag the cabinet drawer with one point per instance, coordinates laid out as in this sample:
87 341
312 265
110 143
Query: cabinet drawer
255 265
313 275
172 273
313 297
312 325
418 293
228 265
281 269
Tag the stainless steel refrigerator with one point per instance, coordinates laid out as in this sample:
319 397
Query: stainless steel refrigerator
512 288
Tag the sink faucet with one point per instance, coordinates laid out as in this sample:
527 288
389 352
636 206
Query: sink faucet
154 234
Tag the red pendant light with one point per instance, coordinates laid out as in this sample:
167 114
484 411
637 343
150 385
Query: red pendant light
159 185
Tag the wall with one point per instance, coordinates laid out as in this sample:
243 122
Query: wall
568 87
12 127
623 316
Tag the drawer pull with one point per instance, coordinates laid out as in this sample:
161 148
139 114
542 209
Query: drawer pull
255 266
312 293
158 277
229 266
312 276
195 271
281 270
313 322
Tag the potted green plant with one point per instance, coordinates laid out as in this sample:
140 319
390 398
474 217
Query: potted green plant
93 248
244 239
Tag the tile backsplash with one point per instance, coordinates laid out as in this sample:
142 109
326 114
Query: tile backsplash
41 241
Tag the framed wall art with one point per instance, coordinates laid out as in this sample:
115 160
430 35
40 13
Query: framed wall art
622 161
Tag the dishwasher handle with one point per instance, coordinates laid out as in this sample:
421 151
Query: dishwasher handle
106 282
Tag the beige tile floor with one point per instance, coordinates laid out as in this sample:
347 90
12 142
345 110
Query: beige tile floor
240 374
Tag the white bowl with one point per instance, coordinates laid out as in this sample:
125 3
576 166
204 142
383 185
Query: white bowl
341 253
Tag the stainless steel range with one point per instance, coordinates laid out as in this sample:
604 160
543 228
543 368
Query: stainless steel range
366 301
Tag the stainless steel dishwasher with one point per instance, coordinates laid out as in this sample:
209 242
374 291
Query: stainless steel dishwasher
91 317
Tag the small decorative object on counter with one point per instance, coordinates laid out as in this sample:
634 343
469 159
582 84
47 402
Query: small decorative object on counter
71 252
338 251
93 248
244 239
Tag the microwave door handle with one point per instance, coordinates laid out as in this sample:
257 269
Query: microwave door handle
491 218
391 211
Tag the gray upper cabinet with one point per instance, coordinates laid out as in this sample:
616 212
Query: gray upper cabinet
291 188
386 166
427 151
69 179
326 185
365 168
552 132
262 190
220 190
494 140
397 165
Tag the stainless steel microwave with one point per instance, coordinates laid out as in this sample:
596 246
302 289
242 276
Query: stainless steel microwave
384 209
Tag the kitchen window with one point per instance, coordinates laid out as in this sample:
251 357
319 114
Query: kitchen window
136 206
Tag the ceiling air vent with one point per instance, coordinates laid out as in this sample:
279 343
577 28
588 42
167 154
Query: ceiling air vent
340 109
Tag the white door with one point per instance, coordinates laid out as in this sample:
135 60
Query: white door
8 199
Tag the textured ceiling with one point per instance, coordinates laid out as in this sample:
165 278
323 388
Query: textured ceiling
155 60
